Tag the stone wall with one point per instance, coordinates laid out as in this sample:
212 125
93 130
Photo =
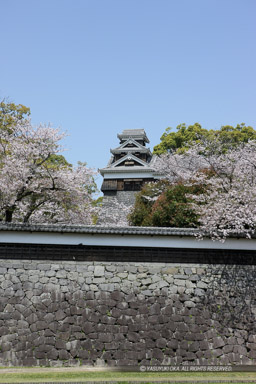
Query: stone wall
74 313
122 197
126 197
112 207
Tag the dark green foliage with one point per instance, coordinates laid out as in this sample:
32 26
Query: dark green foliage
140 215
172 208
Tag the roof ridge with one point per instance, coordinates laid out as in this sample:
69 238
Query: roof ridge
95 229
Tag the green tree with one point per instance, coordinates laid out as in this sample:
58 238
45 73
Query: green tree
181 139
173 208
185 136
164 205
145 199
236 135
10 113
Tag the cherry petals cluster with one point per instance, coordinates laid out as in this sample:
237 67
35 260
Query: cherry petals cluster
228 204
35 189
113 213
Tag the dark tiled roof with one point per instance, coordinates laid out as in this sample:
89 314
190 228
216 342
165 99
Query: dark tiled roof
134 133
96 229
107 230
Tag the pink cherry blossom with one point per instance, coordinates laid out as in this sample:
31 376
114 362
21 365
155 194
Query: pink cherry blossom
228 205
34 189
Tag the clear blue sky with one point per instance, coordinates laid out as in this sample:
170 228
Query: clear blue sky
96 67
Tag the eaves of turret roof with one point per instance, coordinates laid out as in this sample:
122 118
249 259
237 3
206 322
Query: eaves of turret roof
126 170
131 149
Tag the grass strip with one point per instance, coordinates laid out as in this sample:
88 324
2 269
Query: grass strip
46 375
136 382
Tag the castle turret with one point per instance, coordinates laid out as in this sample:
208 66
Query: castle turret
129 166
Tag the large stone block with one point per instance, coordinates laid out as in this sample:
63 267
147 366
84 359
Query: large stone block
218 342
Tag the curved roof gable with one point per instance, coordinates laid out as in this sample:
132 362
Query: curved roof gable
129 156
136 147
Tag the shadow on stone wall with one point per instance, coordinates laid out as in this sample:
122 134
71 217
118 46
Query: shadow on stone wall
231 295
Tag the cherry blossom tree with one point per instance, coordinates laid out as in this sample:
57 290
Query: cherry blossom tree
113 213
228 204
36 183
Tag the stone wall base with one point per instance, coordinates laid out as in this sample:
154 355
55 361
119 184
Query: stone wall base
97 313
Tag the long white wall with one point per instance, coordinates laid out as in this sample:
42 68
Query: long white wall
166 241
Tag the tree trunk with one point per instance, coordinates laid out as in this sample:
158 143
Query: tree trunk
8 215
